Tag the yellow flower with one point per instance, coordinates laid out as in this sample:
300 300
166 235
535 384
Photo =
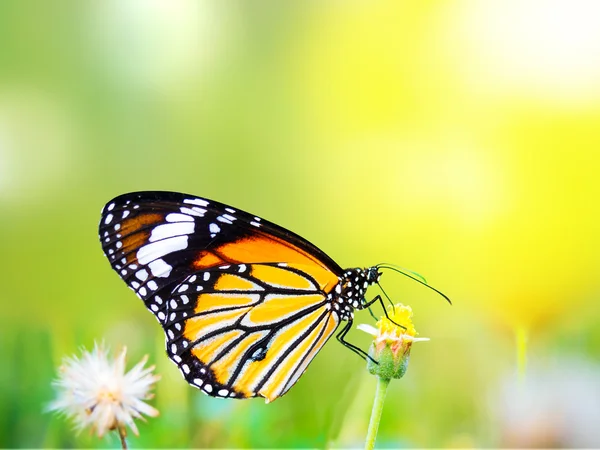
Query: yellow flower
398 315
391 347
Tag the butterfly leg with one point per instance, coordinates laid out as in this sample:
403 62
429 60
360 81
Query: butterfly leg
380 300
359 351
372 315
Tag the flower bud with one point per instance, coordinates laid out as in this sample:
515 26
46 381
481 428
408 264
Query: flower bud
394 336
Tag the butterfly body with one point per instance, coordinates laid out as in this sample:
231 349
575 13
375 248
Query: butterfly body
245 304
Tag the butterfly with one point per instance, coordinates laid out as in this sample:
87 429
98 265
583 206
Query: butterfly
244 303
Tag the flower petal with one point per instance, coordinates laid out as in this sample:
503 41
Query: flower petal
367 329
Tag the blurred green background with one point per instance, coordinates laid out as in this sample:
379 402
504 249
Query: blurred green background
458 139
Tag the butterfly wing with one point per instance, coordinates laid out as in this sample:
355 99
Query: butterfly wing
247 330
177 252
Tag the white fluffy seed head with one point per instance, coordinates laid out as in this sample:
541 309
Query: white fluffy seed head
96 392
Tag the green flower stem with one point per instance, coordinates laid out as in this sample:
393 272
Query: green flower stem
382 384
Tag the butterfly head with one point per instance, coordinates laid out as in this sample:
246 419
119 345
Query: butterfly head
372 275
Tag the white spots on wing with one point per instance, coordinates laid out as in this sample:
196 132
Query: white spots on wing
154 307
214 228
208 388
282 264
196 201
124 261
192 279
225 267
158 300
133 266
159 268
119 244
108 219
198 382
136 206
242 268
172 317
185 344
176 358
230 210
206 276
125 214
111 207
257 218
256 224
173 304
338 288
185 368
223 392
117 227
170 334
225 219
176 217
173 348
161 316
203 370
171 230
143 291
193 211
123 272
135 284
152 285
183 288
178 326
185 299
142 274
110 251
155 250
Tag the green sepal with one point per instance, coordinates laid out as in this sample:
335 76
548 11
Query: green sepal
389 366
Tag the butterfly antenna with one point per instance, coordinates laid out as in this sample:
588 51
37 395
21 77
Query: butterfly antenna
412 275
387 296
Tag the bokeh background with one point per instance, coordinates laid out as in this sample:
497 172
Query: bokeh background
457 139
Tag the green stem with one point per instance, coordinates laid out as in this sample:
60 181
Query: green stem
382 385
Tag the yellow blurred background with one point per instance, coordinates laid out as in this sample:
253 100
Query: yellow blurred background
457 139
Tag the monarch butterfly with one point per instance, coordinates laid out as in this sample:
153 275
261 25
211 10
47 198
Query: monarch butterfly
245 304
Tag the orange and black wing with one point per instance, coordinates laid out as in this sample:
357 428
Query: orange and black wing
245 304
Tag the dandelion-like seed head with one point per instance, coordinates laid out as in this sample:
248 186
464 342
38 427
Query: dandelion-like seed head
96 392
393 339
